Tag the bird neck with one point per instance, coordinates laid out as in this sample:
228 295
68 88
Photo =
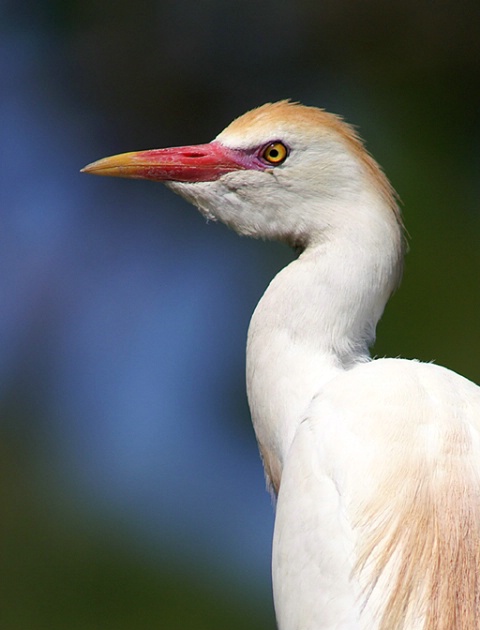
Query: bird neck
316 319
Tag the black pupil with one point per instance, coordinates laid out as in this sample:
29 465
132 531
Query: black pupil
274 153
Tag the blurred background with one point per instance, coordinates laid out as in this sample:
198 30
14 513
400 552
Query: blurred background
131 491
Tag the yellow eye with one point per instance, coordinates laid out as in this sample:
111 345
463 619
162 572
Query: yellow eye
275 153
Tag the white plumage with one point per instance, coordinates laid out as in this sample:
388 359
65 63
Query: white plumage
376 463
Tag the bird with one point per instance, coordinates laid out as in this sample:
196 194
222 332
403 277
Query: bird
374 463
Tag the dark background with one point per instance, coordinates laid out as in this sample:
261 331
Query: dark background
131 491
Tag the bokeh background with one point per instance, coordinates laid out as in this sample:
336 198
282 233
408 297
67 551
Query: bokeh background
131 491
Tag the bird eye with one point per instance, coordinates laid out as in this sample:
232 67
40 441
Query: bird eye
275 153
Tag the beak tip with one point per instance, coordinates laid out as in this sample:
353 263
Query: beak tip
89 168
105 166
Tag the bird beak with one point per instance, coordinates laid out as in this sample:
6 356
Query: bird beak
198 163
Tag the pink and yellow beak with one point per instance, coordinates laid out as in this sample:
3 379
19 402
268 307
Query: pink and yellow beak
198 163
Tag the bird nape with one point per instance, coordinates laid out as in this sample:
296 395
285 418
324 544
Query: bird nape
375 463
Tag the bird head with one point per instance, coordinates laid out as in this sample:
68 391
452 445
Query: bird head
282 171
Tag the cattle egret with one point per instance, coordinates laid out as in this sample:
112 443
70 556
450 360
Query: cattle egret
375 463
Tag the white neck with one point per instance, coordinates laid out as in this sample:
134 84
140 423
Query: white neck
317 317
